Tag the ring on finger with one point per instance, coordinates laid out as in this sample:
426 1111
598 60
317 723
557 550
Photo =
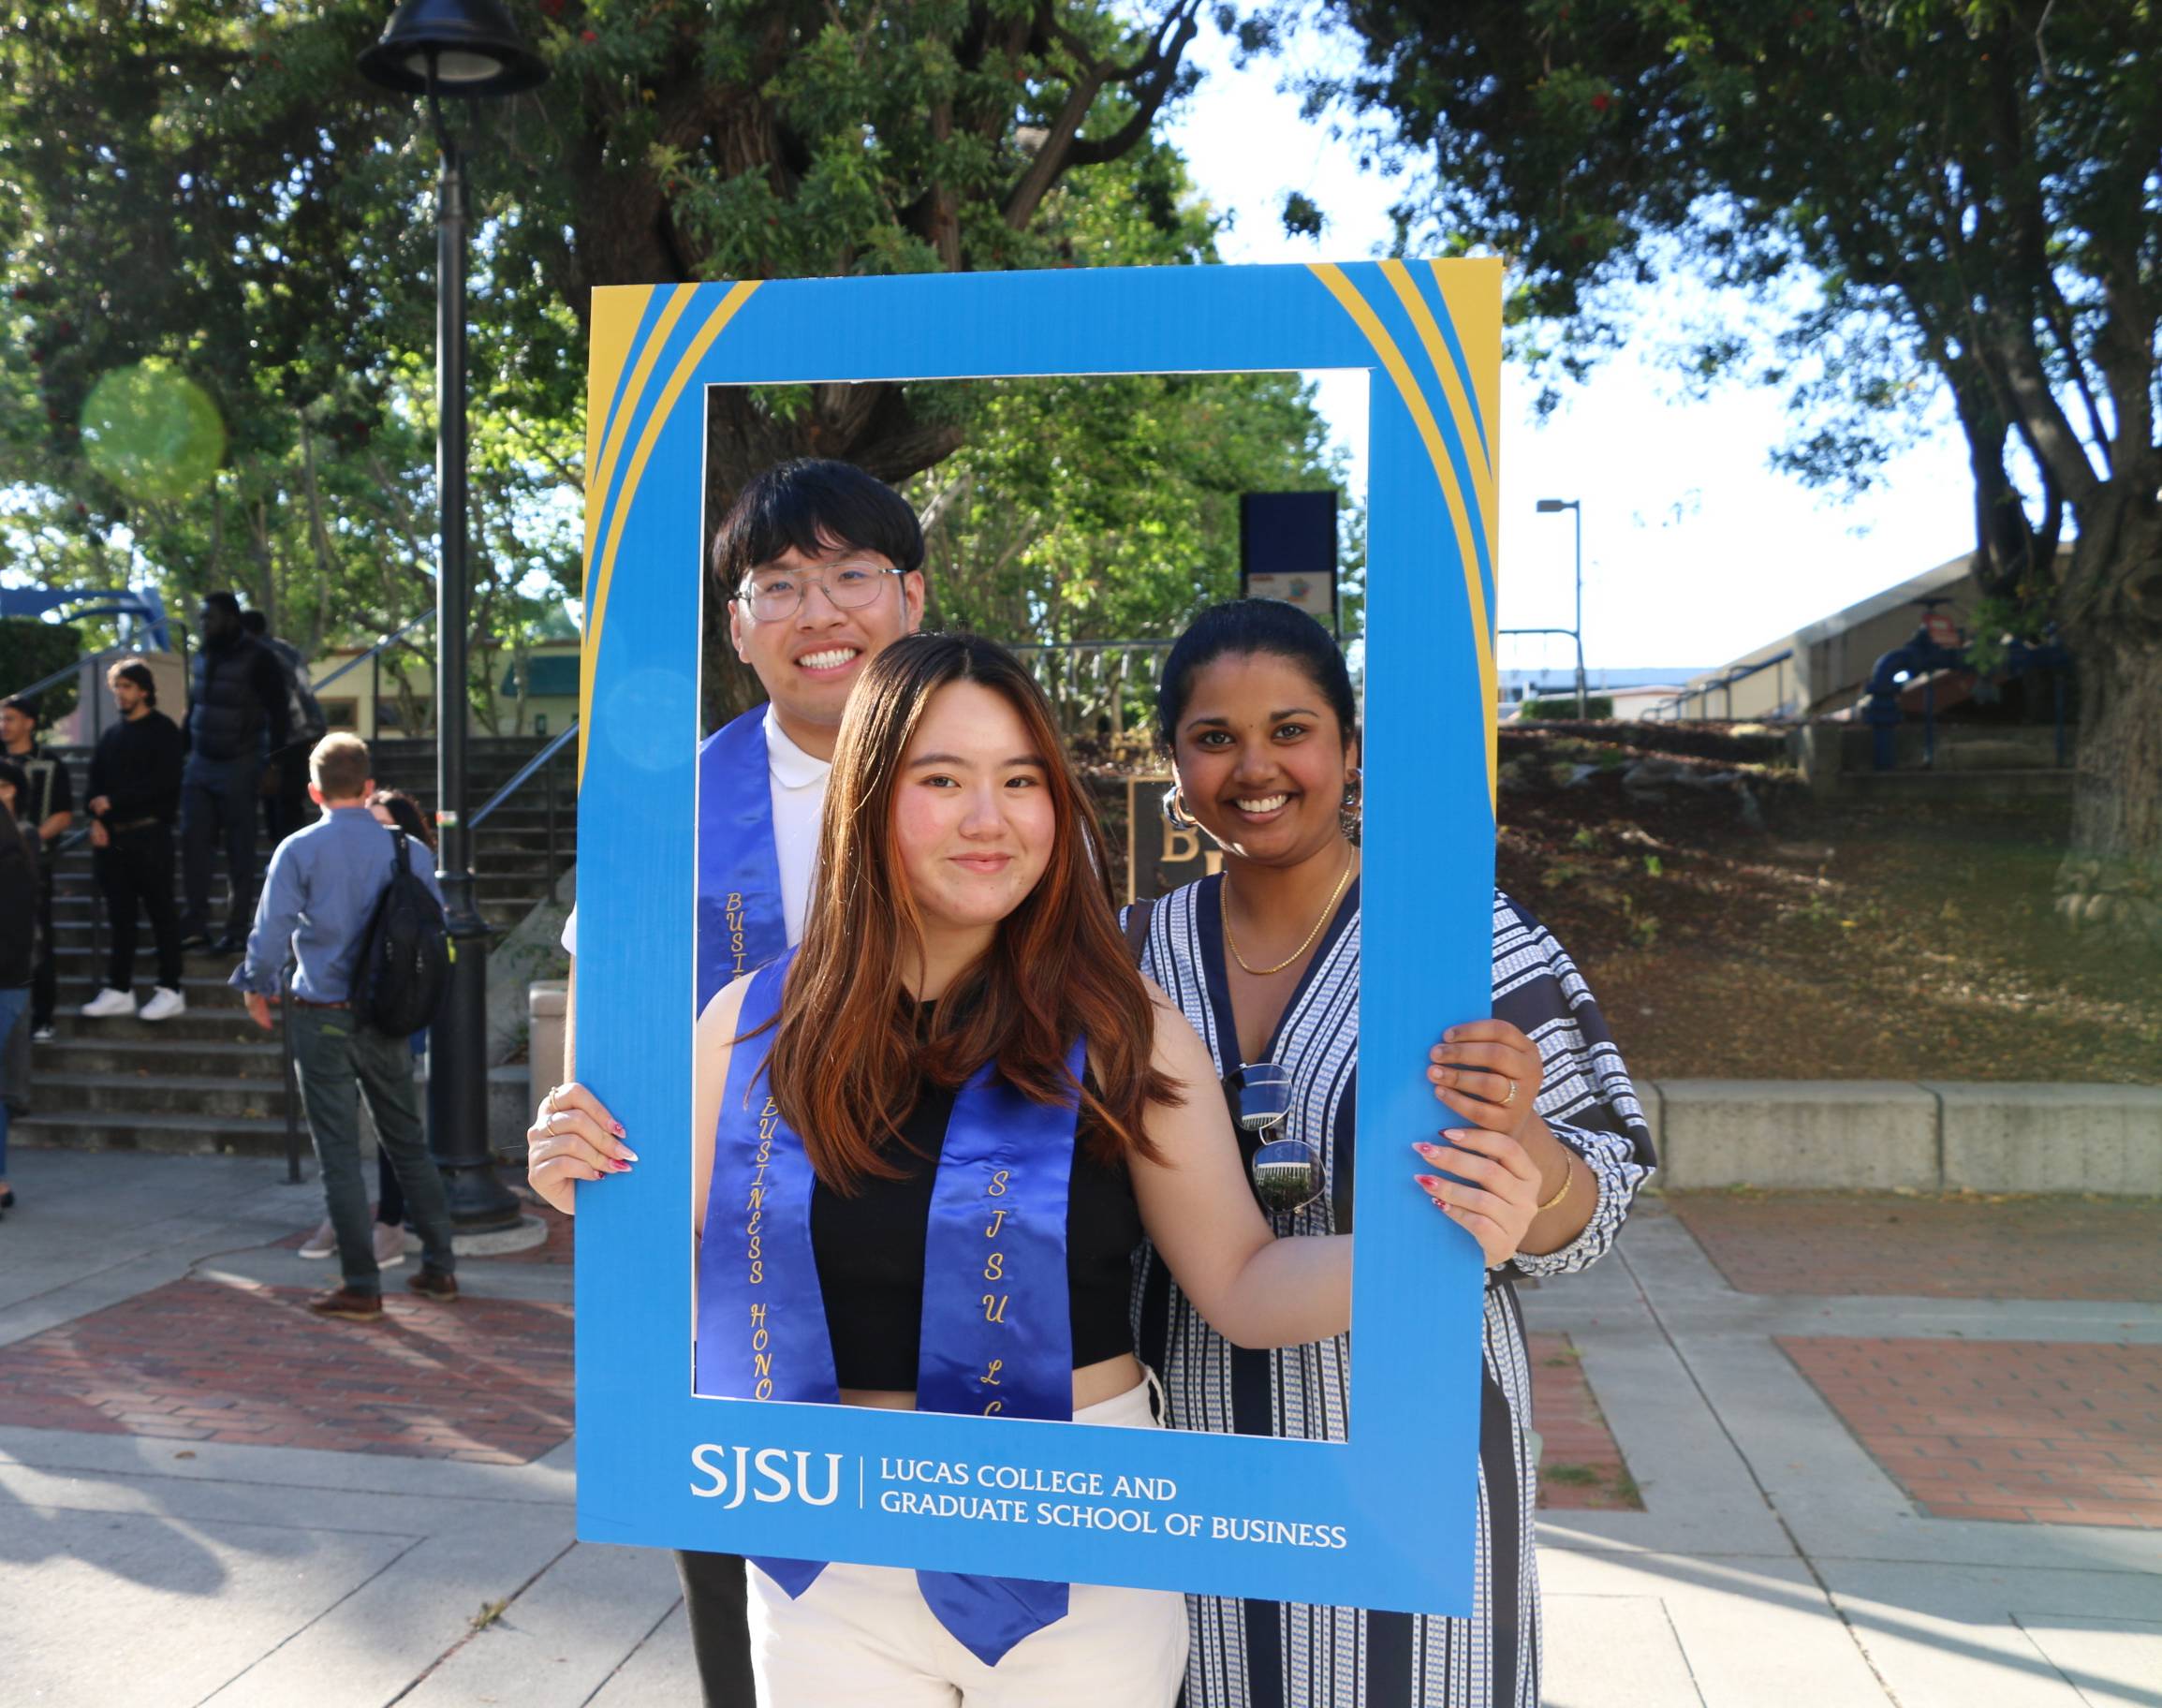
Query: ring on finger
1512 1095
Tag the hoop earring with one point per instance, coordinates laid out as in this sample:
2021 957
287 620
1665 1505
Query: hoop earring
1349 814
1175 812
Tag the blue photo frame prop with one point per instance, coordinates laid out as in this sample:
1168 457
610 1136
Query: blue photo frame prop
1383 1521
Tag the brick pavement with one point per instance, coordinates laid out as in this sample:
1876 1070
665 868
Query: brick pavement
556 1250
485 1380
1967 1245
2046 1432
1582 1467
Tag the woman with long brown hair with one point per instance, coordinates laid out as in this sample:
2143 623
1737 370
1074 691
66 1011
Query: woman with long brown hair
962 1011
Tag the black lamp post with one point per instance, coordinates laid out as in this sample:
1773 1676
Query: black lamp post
459 49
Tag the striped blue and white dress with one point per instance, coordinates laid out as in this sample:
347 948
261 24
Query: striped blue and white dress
1266 1654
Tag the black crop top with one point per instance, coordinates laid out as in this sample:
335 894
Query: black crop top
869 1252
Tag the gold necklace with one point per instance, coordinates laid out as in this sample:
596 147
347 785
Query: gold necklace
1328 913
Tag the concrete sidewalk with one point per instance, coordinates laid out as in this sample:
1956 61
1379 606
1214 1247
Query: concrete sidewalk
385 1514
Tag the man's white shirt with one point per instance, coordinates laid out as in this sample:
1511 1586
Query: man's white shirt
798 782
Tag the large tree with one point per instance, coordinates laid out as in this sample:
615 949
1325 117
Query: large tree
211 183
1954 194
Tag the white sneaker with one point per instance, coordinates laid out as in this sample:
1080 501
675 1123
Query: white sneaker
164 1004
109 1003
321 1244
389 1245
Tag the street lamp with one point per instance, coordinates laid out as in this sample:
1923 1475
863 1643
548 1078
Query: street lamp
459 49
1549 507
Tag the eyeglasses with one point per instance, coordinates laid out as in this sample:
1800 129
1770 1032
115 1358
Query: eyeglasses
776 596
1285 1174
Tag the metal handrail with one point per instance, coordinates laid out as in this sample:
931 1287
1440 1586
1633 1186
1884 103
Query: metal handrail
1726 682
524 772
396 634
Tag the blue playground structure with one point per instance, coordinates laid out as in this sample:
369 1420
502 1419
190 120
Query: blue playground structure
143 606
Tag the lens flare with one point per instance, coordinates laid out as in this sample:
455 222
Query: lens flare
152 431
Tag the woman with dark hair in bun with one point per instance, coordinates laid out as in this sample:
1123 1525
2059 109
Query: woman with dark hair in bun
1257 712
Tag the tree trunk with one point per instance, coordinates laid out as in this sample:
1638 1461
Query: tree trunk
2110 618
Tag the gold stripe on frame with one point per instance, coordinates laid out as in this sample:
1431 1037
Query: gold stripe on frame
1399 370
599 575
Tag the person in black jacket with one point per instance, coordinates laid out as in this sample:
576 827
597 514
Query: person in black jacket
134 799
17 934
236 718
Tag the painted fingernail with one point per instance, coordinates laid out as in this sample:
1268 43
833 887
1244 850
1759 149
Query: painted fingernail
1456 1132
1432 1153
622 1168
616 1128
1449 1037
628 1154
1435 1074
1431 1182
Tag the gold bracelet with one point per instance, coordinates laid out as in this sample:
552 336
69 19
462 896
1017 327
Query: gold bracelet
1568 1173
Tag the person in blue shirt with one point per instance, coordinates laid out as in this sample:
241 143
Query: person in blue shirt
317 905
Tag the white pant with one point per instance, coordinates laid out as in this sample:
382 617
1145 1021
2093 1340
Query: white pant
862 1637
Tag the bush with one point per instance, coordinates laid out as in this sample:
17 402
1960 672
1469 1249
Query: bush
1564 707
31 650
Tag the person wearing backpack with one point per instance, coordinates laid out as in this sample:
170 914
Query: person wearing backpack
367 936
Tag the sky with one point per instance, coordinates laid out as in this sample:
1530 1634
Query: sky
1695 549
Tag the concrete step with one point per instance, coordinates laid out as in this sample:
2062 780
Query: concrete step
184 1134
112 1096
206 1022
110 1053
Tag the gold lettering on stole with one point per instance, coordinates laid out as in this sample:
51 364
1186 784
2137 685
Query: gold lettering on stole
754 1218
733 913
995 1269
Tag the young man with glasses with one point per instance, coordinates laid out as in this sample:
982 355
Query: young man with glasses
822 568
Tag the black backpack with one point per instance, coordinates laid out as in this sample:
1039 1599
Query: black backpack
404 965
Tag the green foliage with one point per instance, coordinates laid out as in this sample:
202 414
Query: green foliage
1917 192
211 186
30 651
1564 707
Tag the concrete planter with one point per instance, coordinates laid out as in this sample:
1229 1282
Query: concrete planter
1880 1135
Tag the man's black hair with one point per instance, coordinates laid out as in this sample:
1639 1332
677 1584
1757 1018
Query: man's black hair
23 703
1239 628
221 600
255 623
819 506
139 673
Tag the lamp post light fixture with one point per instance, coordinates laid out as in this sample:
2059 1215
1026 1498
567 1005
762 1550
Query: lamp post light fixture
457 50
1549 507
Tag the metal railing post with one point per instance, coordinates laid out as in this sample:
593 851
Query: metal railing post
548 870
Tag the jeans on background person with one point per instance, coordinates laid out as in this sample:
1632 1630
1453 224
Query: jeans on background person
12 1003
339 1061
389 1197
135 870
217 803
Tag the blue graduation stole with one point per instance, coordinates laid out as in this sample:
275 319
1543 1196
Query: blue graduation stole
998 1332
741 921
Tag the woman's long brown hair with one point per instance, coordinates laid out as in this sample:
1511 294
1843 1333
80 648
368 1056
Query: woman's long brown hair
848 1060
